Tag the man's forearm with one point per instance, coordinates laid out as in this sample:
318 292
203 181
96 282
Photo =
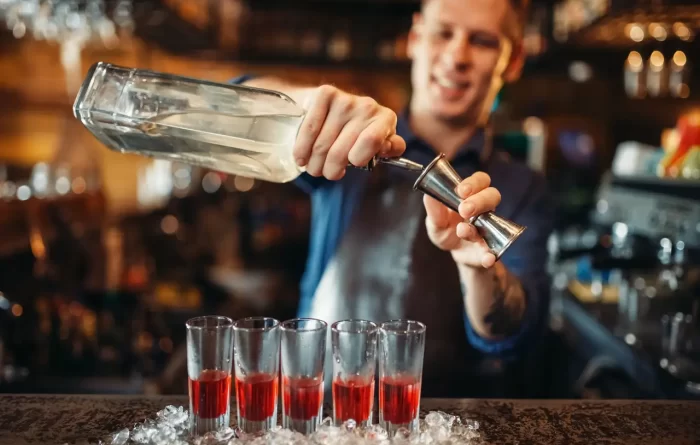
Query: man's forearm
494 300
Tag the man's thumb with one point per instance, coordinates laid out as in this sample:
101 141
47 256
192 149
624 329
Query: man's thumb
437 213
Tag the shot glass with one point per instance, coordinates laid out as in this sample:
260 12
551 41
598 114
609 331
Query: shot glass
256 359
354 344
303 356
209 349
401 350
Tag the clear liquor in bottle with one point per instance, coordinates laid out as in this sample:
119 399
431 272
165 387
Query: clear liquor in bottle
230 128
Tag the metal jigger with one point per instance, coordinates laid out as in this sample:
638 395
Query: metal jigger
439 180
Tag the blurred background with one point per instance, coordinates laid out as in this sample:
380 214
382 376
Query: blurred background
104 256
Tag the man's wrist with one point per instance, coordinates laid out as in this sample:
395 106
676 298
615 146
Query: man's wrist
468 273
493 298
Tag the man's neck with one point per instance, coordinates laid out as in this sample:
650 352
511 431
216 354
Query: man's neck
444 137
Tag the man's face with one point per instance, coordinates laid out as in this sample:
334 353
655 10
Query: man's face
456 46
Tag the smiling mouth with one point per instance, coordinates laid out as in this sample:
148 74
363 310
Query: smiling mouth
447 83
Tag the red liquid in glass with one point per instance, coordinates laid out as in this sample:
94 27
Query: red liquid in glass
352 399
256 395
399 398
302 397
210 393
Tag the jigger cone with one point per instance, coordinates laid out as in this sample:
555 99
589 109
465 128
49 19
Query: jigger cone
439 180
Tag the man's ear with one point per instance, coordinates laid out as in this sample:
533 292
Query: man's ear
413 34
516 63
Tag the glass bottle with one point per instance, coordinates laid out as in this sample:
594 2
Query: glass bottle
230 128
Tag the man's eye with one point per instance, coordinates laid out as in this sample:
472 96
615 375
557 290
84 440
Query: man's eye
485 41
443 34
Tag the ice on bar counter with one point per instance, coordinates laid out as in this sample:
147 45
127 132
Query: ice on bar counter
170 427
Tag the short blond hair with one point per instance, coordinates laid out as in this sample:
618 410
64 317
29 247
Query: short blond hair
520 10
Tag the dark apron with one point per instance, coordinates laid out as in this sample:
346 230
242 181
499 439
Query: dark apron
387 268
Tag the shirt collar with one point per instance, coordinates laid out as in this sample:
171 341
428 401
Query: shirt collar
417 149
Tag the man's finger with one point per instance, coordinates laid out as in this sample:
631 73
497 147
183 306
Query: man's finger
473 184
311 127
396 146
468 232
438 214
334 124
484 201
371 141
337 158
488 260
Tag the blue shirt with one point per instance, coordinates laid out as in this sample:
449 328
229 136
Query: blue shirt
524 199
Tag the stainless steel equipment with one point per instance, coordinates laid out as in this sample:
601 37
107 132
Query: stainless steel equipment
440 181
655 247
652 207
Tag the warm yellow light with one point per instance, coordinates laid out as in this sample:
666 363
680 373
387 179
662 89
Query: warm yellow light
635 32
658 31
635 61
679 58
656 59
681 30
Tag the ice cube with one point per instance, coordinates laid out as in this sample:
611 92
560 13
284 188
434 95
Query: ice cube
326 433
449 419
472 424
225 434
376 432
164 435
121 437
440 433
161 438
462 434
402 433
210 438
434 419
173 416
440 418
423 438
349 426
142 434
170 428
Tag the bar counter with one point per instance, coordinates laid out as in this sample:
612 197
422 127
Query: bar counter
77 419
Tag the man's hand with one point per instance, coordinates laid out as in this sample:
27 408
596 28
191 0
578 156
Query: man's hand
494 298
341 128
451 231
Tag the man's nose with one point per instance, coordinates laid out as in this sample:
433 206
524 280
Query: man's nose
458 54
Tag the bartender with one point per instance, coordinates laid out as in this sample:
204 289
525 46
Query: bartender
380 251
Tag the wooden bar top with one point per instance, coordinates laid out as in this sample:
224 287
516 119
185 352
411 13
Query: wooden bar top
81 419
